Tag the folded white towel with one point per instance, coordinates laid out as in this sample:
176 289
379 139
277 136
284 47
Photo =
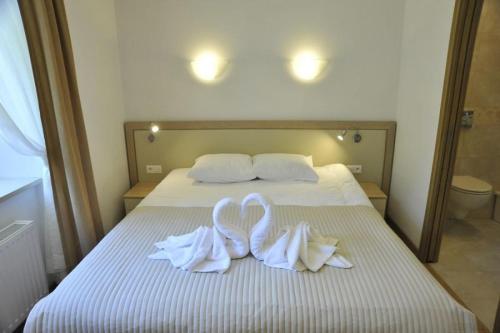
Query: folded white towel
207 249
297 248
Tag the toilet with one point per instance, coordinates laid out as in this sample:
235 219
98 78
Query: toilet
467 194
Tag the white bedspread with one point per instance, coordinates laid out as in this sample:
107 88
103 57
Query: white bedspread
336 187
116 288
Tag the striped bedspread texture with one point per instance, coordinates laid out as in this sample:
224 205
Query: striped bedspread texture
116 288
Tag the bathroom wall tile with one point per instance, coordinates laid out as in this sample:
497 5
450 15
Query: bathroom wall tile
495 174
486 117
484 80
489 18
484 86
481 141
475 166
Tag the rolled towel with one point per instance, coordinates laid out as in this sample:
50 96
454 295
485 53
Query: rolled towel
297 247
207 249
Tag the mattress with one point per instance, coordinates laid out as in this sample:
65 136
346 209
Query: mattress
336 187
116 288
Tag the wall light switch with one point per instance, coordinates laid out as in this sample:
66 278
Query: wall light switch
355 169
153 168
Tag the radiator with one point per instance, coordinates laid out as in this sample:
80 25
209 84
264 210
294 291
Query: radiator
22 274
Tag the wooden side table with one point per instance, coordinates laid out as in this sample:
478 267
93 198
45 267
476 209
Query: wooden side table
376 196
135 195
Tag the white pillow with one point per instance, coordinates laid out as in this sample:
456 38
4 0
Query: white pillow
222 168
279 167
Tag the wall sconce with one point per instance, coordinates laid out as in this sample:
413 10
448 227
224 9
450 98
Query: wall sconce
356 137
153 129
306 66
207 66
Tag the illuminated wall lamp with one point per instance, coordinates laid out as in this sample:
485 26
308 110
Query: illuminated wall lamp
306 66
207 66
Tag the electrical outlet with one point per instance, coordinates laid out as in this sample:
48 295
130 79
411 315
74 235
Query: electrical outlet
355 169
153 168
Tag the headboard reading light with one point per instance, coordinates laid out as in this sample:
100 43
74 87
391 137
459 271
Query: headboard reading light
357 137
154 129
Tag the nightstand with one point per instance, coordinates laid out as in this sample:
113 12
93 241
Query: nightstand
138 192
376 196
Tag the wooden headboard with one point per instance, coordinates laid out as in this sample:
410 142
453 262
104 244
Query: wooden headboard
178 143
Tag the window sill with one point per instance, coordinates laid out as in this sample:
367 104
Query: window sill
12 186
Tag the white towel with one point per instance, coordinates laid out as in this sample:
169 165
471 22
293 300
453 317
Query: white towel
207 249
297 248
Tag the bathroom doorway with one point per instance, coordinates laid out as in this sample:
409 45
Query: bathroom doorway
461 235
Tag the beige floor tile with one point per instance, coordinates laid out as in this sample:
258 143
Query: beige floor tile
469 262
484 308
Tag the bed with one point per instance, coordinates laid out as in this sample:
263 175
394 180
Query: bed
116 288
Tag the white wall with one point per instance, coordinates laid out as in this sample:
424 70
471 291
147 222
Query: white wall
361 39
92 26
426 34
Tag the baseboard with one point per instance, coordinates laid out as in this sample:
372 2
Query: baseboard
402 235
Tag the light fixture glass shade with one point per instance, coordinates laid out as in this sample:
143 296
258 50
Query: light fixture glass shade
207 66
154 128
306 66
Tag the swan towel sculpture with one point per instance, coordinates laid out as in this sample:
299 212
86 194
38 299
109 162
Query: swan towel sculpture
207 249
298 248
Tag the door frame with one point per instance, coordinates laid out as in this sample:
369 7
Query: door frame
463 35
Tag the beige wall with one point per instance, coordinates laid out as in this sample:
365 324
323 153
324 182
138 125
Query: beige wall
479 147
427 26
360 38
92 25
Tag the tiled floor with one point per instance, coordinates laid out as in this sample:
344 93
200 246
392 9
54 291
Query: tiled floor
469 262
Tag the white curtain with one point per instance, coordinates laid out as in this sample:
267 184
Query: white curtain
20 124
